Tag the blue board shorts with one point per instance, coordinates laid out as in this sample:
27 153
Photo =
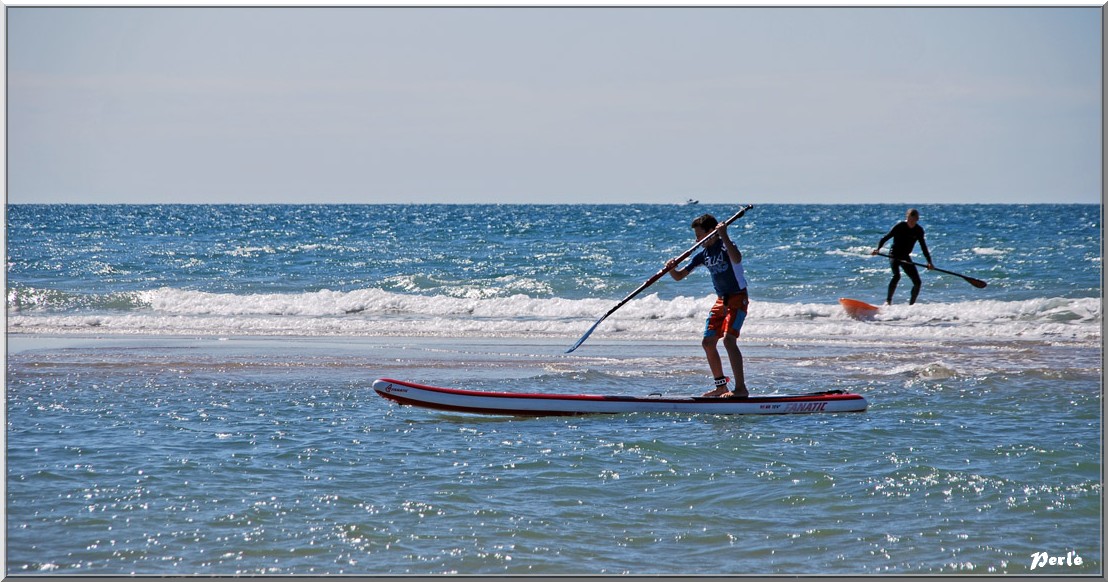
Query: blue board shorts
727 315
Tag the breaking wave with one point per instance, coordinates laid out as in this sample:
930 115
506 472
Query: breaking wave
376 312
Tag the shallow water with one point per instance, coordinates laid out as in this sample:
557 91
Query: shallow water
274 456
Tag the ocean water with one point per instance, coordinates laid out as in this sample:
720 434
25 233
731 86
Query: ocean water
188 392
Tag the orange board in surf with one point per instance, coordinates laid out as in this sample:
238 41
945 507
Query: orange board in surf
858 309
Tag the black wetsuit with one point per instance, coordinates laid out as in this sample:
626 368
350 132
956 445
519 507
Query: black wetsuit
904 240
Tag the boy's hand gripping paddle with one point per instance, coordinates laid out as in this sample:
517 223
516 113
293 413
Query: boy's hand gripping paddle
657 276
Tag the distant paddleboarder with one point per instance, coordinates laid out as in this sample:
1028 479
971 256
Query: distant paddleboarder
905 235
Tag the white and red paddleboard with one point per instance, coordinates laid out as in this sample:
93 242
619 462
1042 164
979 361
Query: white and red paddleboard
858 309
522 404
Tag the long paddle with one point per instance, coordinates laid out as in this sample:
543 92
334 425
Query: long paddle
657 276
975 282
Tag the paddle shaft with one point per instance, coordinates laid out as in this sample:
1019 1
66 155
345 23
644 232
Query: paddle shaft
654 278
975 282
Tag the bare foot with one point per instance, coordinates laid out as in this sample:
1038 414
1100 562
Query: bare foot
743 393
717 392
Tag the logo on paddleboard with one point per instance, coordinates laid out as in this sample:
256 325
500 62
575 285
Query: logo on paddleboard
805 406
394 388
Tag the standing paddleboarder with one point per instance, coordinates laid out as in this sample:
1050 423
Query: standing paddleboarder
726 318
905 235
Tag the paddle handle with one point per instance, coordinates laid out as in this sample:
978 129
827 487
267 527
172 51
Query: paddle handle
975 282
654 278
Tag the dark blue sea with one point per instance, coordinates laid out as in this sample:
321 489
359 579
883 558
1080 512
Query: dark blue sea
189 392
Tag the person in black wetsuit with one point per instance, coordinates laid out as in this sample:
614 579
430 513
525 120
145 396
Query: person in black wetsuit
904 235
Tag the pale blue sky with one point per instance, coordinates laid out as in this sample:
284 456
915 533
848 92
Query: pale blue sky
519 105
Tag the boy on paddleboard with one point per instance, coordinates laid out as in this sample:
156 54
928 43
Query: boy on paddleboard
726 317
905 234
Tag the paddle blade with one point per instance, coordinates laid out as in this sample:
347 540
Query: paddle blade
976 282
586 336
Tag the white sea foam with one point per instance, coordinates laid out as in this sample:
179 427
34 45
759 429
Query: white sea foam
854 252
374 312
986 251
